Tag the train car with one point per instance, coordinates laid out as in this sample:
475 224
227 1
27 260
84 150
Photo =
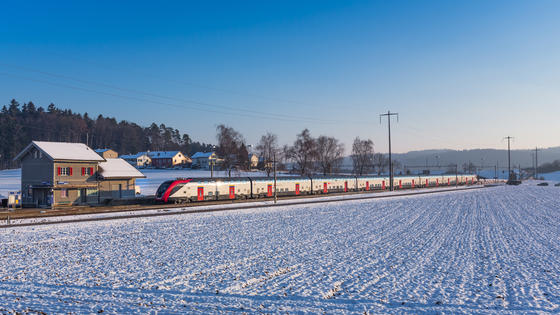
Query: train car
332 184
203 189
263 187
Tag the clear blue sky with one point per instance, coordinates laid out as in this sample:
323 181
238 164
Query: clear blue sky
462 74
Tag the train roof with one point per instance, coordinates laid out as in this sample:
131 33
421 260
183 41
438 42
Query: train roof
284 178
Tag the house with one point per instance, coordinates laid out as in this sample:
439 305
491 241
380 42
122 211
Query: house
253 160
59 173
107 153
167 159
117 180
203 159
137 160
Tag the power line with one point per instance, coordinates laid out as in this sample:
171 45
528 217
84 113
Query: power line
184 83
65 77
182 106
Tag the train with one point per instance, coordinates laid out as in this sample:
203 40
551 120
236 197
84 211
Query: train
186 190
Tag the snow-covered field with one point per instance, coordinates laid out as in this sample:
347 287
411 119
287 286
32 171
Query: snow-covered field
489 250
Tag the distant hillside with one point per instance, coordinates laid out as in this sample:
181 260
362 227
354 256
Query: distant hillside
19 125
481 158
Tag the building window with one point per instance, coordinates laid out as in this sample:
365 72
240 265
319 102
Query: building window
87 171
64 193
65 171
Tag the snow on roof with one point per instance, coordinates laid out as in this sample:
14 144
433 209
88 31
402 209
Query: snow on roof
118 168
162 154
129 156
202 155
63 151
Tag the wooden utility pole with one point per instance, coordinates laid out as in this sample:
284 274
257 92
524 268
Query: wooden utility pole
389 114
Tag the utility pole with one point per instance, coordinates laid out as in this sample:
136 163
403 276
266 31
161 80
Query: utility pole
456 175
536 163
275 195
211 168
389 114
509 156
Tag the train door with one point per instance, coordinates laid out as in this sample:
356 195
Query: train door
437 182
400 183
231 192
269 191
383 185
345 186
200 193
297 189
427 184
448 182
325 188
367 185
413 183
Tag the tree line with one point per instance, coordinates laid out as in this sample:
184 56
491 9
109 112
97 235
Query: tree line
21 124
307 155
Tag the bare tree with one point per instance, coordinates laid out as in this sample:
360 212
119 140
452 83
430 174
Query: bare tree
469 167
362 156
302 152
381 162
268 150
329 154
231 148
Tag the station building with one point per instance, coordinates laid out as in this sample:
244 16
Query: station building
55 174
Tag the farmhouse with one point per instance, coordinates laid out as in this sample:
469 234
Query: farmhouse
107 153
203 159
253 160
137 160
59 173
166 159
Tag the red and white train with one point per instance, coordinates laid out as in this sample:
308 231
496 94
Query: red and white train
184 190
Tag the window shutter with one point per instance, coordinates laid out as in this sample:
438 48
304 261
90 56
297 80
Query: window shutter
59 170
70 171
83 171
91 171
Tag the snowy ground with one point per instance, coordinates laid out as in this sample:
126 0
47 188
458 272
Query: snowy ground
489 250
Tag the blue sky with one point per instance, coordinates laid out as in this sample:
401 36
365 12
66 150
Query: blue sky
461 74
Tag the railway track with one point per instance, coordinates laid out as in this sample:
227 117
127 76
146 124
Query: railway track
242 205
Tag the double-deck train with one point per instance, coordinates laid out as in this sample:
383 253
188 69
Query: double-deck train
183 190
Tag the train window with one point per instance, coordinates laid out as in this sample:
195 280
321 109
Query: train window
209 193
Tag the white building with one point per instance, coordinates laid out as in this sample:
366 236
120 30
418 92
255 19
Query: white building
203 159
137 160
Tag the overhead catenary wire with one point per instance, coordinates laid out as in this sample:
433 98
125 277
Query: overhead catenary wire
181 106
278 116
183 83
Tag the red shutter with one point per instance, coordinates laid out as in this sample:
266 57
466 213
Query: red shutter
83 171
59 170
70 171
91 171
